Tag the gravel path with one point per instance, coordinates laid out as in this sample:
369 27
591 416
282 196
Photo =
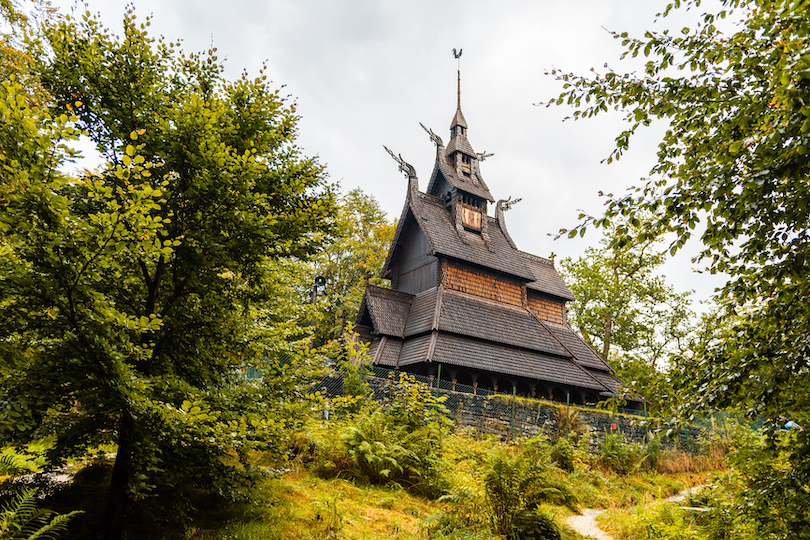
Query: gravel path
586 524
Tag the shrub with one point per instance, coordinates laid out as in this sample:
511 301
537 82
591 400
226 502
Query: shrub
534 525
378 450
515 487
617 455
562 453
21 519
399 444
463 519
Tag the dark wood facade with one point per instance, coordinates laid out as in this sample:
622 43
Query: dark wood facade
464 297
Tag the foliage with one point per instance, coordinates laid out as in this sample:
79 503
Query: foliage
732 169
514 488
617 455
401 443
20 519
354 364
132 299
622 304
18 22
660 520
534 525
463 519
379 450
775 464
734 157
356 251
562 454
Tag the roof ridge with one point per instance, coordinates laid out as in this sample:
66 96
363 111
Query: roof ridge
574 359
437 310
536 258
388 292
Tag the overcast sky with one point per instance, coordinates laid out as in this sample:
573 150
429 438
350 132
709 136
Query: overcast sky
365 73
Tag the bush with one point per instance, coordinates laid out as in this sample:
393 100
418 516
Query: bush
534 525
464 519
515 486
617 455
400 444
562 454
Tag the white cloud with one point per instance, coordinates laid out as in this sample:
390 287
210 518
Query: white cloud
365 73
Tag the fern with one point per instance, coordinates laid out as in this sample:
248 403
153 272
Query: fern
21 519
11 463
515 487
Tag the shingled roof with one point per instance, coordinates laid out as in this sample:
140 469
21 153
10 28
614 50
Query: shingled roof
388 309
546 278
444 238
451 327
471 316
441 169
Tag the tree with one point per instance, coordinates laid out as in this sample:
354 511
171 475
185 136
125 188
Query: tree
622 304
132 299
356 252
15 59
736 159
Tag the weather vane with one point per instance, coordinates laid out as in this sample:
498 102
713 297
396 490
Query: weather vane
457 56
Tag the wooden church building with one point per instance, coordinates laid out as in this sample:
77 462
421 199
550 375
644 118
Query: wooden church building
464 297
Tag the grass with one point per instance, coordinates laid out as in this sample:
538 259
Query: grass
302 506
655 518
315 501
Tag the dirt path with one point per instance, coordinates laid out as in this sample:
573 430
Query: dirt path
586 524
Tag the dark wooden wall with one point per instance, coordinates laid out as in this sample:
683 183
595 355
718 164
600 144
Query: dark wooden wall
414 270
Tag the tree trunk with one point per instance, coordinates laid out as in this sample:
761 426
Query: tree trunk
118 498
608 336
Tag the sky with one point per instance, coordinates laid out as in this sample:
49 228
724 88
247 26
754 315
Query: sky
365 73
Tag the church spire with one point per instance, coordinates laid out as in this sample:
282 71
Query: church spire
456 173
458 119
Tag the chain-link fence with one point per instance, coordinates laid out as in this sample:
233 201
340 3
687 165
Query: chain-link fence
510 416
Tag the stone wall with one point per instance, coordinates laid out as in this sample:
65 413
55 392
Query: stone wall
492 414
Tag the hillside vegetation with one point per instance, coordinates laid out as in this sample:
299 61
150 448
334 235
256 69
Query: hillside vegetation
404 471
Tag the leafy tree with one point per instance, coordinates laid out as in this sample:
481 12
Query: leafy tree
131 299
622 304
356 252
736 159
16 25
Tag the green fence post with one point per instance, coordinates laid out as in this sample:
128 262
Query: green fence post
646 423
512 425
438 379
567 412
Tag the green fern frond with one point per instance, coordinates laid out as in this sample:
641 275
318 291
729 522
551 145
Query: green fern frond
20 519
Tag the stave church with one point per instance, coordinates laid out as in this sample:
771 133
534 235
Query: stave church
465 304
